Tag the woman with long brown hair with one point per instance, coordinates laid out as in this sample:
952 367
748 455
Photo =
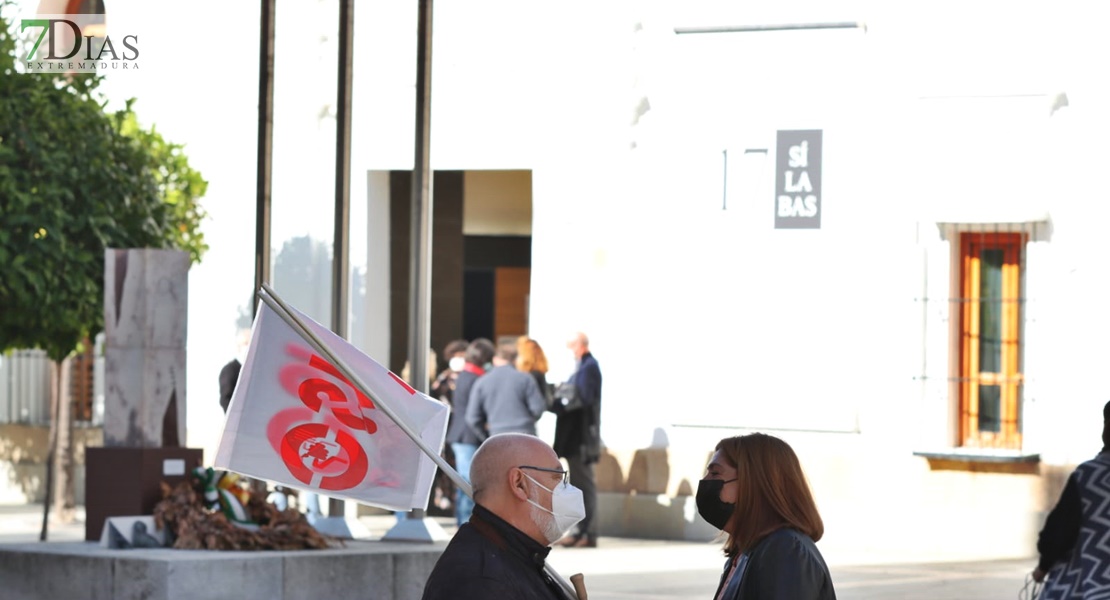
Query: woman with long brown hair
754 490
531 359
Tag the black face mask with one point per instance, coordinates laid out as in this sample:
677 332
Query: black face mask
710 507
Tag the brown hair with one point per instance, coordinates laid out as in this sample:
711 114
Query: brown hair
773 492
480 352
454 347
530 356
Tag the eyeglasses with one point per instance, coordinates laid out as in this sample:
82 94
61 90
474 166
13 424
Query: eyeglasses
547 470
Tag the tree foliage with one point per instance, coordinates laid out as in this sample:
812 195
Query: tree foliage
74 180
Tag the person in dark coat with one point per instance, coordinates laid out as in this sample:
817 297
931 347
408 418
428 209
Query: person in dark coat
229 376
1074 562
455 356
523 505
464 442
578 433
754 490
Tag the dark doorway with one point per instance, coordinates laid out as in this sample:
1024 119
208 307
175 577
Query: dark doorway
496 286
478 303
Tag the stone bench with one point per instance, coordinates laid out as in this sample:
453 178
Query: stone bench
84 570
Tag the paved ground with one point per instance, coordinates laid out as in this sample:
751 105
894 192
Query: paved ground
978 581
652 570
622 569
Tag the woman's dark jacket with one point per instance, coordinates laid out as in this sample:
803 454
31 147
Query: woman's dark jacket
785 565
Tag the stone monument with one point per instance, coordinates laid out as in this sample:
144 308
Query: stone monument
145 316
145 313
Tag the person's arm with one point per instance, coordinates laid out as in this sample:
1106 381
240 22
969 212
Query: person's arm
442 385
785 569
537 404
476 411
1061 529
588 382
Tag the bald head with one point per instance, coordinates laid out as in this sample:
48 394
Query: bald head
498 454
579 344
503 488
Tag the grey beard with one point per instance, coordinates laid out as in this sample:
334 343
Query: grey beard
544 520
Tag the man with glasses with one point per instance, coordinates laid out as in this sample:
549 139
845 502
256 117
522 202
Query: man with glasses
523 504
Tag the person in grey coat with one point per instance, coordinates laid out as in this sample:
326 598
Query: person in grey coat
504 400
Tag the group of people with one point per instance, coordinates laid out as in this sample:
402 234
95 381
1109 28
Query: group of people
754 491
504 390
524 502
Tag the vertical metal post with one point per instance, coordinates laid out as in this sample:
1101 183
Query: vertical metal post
341 240
724 182
340 282
420 272
265 148
417 527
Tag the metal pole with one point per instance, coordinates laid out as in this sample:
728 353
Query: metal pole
265 147
271 298
724 182
773 27
416 526
420 257
340 282
283 310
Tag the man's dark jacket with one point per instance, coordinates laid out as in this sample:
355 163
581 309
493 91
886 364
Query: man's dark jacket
578 432
490 559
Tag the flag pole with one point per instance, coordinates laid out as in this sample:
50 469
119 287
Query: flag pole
270 297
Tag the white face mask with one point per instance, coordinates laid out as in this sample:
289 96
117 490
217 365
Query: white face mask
544 521
456 363
567 509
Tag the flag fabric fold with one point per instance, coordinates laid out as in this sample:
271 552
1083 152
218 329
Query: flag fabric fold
294 419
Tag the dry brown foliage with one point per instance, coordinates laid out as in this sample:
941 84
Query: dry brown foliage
193 526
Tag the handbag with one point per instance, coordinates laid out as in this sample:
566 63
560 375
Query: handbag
567 397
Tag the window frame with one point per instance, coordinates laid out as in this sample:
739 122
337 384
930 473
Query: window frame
1010 377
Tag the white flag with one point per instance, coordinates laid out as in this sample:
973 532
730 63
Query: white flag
296 420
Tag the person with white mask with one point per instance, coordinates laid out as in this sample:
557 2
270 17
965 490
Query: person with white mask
523 504
444 385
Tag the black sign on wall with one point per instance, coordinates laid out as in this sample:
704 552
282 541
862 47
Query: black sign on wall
798 180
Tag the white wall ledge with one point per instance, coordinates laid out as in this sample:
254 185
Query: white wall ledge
988 455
